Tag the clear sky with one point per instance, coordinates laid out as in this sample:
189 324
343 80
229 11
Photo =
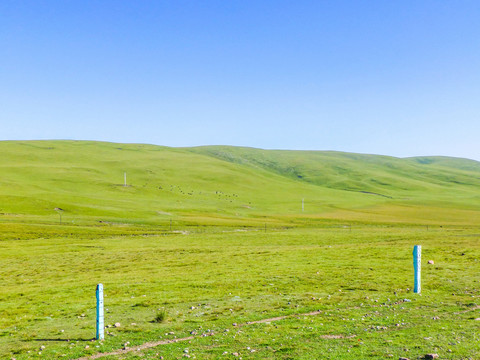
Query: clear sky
397 78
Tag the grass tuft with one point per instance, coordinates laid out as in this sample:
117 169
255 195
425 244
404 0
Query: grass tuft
160 317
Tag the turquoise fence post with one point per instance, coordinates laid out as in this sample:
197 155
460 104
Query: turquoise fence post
100 321
417 265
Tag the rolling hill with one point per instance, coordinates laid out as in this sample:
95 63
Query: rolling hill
83 182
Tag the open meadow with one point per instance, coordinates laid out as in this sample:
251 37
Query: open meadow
208 258
204 282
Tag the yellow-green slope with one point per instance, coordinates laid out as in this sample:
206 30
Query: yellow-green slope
228 185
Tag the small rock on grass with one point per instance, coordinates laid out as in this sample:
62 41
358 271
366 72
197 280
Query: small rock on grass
403 358
117 325
431 262
431 356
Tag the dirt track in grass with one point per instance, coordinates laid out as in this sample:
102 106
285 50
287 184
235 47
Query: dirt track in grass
153 344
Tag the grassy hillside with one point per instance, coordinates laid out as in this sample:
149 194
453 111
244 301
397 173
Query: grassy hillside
431 186
385 175
228 185
307 287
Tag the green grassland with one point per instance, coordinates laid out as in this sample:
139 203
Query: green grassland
215 238
215 185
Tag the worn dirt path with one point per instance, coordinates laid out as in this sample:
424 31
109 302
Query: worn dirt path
468 310
147 345
153 344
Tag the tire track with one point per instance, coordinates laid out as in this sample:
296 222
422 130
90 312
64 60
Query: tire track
152 344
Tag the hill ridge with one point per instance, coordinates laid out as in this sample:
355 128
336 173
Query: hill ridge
225 184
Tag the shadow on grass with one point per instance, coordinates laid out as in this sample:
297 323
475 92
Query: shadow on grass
66 340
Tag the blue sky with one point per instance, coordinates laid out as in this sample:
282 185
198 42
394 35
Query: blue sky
397 78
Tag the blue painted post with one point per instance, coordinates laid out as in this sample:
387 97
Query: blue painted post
417 265
100 320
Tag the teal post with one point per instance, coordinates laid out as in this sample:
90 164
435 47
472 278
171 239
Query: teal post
417 265
100 321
